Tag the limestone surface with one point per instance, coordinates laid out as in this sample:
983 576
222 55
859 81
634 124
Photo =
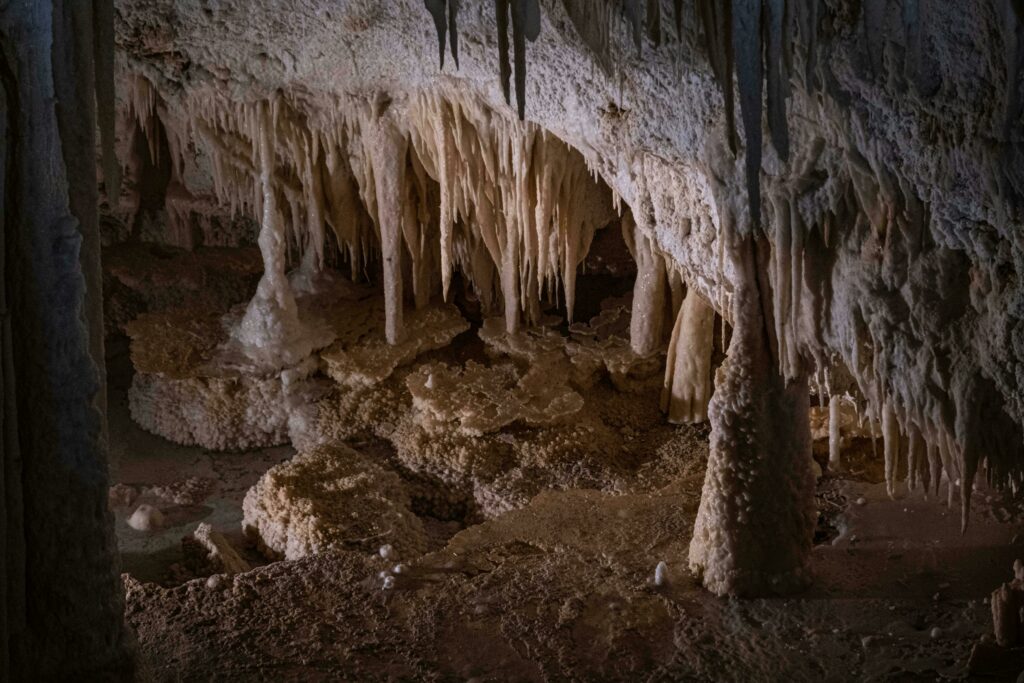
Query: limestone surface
332 498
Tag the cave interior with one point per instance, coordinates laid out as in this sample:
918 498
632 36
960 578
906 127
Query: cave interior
512 340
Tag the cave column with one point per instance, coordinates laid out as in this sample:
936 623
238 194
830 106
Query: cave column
753 533
389 151
270 330
61 598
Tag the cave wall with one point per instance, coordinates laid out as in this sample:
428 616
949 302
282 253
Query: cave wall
61 600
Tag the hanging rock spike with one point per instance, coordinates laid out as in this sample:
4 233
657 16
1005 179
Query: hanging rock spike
746 30
437 9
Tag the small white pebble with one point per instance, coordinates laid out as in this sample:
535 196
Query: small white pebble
146 518
215 582
389 582
935 632
386 551
661 574
430 381
399 568
862 501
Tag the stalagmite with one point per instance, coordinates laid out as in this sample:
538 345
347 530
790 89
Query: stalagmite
754 525
687 387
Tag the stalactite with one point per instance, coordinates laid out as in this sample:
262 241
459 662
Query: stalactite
778 77
890 446
389 148
835 438
716 19
142 105
634 15
874 31
593 23
445 15
913 32
516 208
687 388
501 9
678 7
746 30
525 22
654 21
647 319
270 333
914 447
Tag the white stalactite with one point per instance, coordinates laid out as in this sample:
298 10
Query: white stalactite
646 326
890 445
835 438
687 387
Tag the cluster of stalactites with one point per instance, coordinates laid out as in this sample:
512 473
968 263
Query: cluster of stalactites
516 203
522 16
935 422
435 185
933 441
661 296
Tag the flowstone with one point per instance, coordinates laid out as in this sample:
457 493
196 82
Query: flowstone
196 385
481 399
181 393
332 498
362 357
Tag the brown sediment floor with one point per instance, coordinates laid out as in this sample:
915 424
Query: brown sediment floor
563 589
560 586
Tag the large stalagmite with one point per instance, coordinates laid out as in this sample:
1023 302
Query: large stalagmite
754 526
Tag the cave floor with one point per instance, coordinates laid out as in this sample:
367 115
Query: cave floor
548 571
562 588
